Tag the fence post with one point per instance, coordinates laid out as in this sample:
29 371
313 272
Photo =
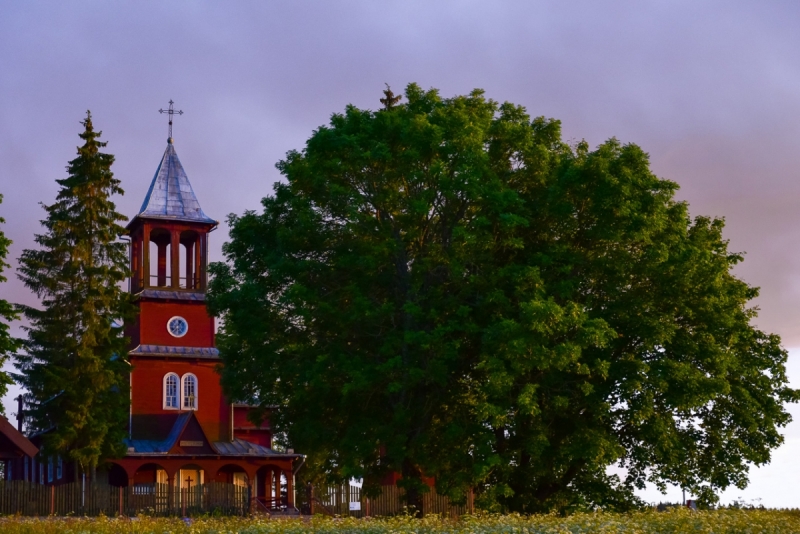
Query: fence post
52 500
471 501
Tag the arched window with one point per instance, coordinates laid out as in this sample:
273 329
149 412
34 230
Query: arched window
189 391
171 392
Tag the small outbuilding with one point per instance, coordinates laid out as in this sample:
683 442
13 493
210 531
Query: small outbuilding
15 448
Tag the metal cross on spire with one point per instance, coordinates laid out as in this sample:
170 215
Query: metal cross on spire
170 112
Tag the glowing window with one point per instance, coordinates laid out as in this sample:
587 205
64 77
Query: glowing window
171 392
189 391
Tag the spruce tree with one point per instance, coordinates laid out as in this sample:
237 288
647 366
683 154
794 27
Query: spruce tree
73 363
7 313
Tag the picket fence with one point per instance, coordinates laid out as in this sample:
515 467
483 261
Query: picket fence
347 500
79 499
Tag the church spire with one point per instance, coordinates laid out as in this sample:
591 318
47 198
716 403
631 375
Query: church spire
170 195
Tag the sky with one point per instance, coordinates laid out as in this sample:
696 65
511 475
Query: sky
708 89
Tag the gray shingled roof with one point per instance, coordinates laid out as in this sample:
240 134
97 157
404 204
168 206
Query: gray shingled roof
171 195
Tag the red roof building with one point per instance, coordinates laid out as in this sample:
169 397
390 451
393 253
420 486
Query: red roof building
15 448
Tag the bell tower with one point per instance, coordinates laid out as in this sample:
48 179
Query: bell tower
172 350
182 429
168 261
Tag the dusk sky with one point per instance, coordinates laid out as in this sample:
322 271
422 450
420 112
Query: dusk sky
711 90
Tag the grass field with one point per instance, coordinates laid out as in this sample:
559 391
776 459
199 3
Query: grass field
675 521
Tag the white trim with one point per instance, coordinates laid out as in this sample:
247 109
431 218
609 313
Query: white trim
178 392
184 322
183 391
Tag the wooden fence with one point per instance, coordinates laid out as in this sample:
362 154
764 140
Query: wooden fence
346 499
78 499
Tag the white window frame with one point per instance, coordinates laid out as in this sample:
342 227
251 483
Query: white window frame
184 398
178 392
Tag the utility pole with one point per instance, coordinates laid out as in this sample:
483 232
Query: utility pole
20 415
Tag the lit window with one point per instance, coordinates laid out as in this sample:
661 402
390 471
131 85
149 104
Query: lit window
189 391
41 473
50 469
171 392
59 468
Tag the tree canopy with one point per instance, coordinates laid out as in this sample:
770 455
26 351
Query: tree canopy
73 363
445 288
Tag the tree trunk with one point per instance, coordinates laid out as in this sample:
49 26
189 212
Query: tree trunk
412 482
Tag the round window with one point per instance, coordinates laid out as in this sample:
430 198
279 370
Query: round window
177 326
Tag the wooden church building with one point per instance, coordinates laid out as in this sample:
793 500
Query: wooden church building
183 431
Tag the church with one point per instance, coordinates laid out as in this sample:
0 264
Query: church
183 431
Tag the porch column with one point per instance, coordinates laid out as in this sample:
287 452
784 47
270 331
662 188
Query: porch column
289 487
268 486
170 491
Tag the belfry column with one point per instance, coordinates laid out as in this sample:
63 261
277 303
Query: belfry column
145 255
162 264
197 261
175 260
189 275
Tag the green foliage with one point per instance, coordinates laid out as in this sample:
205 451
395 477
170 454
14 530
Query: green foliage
7 313
445 288
73 364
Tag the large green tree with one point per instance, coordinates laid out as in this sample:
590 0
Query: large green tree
444 287
7 314
73 363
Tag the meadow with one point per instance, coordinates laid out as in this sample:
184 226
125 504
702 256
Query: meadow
673 521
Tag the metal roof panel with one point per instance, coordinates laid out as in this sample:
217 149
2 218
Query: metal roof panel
170 195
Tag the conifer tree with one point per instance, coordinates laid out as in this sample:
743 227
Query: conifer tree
7 313
73 363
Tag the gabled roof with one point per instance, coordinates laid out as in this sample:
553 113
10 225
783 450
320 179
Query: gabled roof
237 447
170 195
13 443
